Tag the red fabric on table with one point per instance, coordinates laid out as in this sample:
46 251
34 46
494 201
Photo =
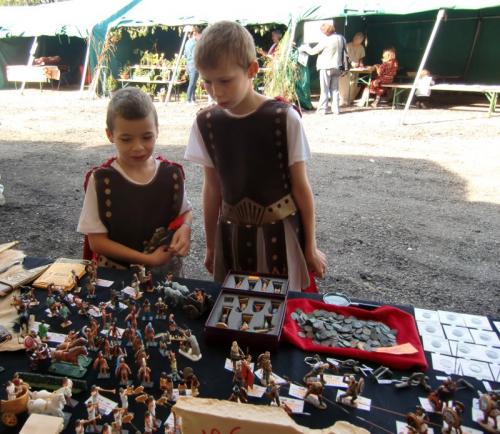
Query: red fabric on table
394 318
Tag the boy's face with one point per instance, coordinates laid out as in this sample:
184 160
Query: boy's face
230 85
134 139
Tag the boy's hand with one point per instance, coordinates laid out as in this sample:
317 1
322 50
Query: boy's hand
159 257
209 260
181 241
316 262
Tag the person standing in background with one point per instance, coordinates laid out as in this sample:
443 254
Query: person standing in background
349 88
330 63
191 68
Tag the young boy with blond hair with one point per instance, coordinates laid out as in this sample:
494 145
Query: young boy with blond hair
257 201
134 194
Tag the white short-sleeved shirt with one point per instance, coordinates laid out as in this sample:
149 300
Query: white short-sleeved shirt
90 222
298 146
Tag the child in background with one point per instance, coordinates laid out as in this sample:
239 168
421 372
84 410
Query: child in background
383 74
132 195
257 200
423 91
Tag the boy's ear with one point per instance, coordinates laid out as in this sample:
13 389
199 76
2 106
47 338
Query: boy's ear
109 133
253 69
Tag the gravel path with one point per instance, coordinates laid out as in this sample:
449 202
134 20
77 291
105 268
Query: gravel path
406 214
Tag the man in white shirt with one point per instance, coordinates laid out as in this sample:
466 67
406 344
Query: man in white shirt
331 63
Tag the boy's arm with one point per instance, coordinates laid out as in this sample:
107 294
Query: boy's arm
100 243
303 197
212 198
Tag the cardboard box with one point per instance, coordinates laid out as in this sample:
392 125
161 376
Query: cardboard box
250 309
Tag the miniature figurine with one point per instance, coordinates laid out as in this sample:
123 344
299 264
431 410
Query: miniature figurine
489 404
31 342
173 366
191 380
113 333
91 270
161 309
181 387
264 363
444 393
189 347
64 313
244 326
144 374
272 393
415 379
224 318
11 391
80 426
66 389
165 341
197 303
354 389
74 279
101 363
90 287
106 317
148 282
236 353
149 425
124 394
106 429
146 311
92 415
117 424
40 358
417 421
314 394
238 394
149 335
317 372
43 331
172 325
452 417
131 318
167 386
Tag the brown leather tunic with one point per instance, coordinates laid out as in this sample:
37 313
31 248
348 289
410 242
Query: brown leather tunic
250 155
132 212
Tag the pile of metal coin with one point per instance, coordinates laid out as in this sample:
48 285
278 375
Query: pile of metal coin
336 330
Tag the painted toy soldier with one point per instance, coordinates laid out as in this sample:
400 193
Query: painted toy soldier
123 371
317 371
236 354
191 380
167 386
161 309
64 313
264 363
273 393
102 364
354 388
146 311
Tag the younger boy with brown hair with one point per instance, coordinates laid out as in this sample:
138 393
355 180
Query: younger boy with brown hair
134 194
257 200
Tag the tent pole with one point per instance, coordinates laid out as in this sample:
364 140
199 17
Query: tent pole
439 18
85 64
30 61
473 47
176 67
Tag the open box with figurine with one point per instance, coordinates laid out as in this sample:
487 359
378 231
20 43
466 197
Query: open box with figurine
250 308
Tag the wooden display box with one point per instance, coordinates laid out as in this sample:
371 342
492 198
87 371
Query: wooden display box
250 309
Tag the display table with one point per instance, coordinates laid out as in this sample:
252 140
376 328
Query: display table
33 74
216 382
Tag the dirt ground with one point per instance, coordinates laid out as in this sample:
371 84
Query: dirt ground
406 214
